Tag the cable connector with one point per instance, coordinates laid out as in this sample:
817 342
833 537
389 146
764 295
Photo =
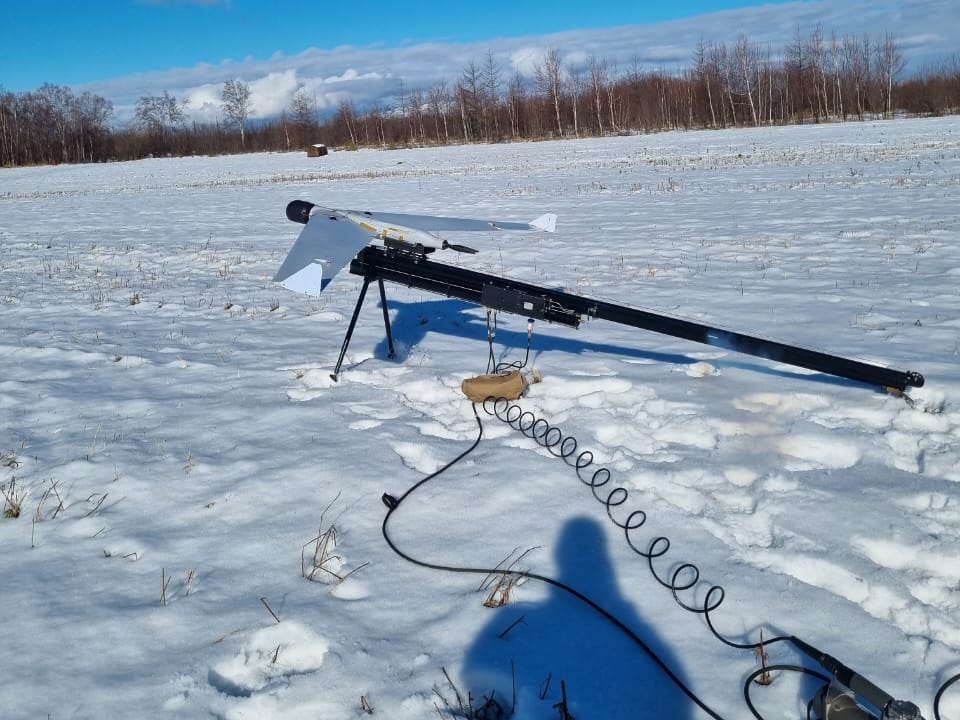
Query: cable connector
902 710
888 707
390 501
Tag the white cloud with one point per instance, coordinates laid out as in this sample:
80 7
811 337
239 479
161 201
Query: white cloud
348 74
203 103
668 54
920 41
270 94
576 59
526 59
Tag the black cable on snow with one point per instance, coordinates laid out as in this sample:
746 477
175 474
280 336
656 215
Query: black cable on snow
939 696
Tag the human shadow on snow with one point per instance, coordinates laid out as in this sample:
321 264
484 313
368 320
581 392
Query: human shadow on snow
606 673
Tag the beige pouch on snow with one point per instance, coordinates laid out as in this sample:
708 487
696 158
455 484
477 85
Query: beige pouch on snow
509 385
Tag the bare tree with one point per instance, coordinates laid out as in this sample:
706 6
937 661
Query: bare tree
405 112
303 107
705 72
598 85
767 70
747 61
236 104
796 70
160 115
9 128
375 118
516 102
470 95
835 62
856 59
90 117
463 103
417 105
890 63
347 116
577 85
549 76
58 101
817 60
725 64
303 111
439 99
490 82
616 113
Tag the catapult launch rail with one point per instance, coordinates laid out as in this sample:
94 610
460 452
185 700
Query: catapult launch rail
413 269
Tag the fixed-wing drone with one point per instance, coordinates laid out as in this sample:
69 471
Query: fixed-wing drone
333 238
393 246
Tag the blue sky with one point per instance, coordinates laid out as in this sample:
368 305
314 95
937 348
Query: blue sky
67 43
123 49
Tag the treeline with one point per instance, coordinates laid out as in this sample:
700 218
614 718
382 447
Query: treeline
53 125
814 79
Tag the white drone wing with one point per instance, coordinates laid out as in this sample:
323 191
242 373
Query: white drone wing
438 223
325 246
332 238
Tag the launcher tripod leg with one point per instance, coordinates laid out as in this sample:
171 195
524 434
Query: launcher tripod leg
353 323
386 319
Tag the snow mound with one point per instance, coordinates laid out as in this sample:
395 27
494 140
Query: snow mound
701 369
270 655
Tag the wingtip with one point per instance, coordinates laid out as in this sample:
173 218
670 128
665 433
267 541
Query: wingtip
309 279
546 222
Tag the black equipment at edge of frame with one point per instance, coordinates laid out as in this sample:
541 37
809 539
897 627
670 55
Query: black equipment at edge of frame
411 268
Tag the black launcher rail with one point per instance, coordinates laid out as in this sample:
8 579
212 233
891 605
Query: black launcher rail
413 269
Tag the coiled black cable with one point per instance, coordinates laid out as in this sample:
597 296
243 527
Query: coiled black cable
393 503
685 577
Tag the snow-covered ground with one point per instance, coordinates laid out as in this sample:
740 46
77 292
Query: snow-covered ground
170 426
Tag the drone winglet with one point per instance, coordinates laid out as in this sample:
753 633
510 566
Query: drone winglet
546 222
